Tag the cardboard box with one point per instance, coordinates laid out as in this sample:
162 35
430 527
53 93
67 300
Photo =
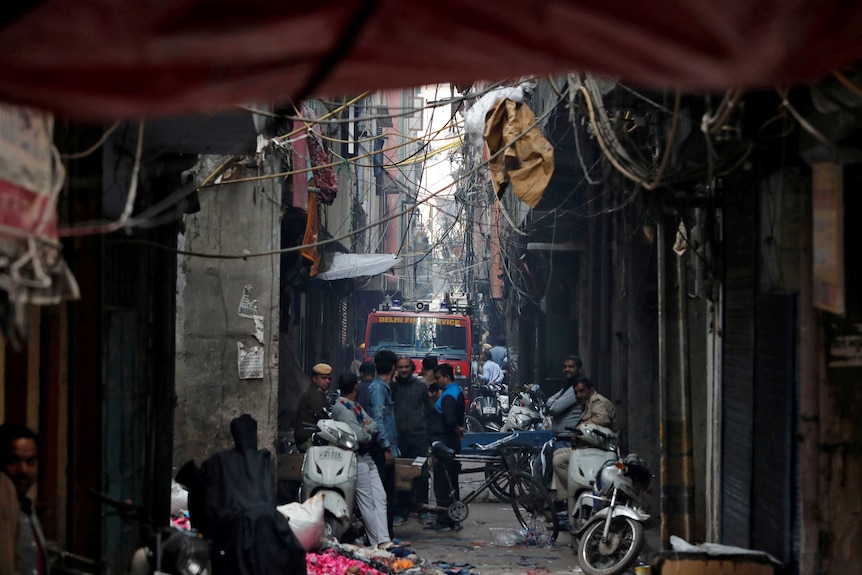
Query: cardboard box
405 473
700 564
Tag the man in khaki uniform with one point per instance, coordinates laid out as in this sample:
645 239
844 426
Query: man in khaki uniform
597 409
313 405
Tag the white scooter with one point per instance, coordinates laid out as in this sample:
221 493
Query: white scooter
329 466
593 447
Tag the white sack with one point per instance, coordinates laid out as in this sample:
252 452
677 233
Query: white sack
306 521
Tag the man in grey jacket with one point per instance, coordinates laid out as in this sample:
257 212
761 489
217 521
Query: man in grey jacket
370 495
565 411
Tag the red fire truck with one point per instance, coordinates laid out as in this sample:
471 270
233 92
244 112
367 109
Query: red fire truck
446 333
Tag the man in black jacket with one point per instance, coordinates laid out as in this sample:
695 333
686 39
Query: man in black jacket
412 408
446 424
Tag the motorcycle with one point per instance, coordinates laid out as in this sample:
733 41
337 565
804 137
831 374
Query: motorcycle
169 550
488 407
329 466
607 504
527 412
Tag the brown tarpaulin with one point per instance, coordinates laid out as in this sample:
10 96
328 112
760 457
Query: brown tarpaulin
528 163
108 59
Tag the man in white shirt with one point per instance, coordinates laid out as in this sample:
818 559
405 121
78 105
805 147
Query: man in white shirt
491 372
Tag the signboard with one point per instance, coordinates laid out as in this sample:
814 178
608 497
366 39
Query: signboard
415 319
828 237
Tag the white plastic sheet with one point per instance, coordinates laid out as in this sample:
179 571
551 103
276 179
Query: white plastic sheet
356 265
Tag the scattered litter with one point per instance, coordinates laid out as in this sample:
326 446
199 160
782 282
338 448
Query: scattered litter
508 537
343 558
456 568
535 538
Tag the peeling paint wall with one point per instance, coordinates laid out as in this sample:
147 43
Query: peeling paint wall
227 310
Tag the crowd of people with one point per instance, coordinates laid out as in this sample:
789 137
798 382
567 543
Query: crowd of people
398 413
394 413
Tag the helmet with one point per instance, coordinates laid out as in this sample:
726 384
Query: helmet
596 436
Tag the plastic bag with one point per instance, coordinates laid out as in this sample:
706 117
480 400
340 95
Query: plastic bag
179 499
306 521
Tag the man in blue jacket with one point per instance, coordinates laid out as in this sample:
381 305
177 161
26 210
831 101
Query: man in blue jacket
446 424
383 413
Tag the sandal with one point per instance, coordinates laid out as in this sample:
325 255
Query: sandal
401 543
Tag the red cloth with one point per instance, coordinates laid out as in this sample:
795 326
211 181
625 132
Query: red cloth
106 59
324 178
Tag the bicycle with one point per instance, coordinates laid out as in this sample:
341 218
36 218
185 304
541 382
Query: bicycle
532 504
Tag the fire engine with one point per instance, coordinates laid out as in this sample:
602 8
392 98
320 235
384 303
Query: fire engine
424 328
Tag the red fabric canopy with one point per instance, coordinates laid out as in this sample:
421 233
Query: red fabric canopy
106 59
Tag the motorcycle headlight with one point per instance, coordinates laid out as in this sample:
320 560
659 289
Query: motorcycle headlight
186 554
607 477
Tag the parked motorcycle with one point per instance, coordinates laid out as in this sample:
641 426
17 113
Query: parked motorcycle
527 412
329 466
607 504
487 407
168 550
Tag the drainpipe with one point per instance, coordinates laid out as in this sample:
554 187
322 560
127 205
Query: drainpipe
714 360
809 408
661 263
680 414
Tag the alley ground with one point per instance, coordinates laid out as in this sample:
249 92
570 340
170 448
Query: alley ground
474 545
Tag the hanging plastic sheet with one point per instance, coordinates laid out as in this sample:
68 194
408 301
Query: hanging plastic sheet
528 158
32 271
345 266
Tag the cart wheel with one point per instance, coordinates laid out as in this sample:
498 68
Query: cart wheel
522 457
534 508
458 511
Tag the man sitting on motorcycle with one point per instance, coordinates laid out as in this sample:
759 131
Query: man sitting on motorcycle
565 412
597 409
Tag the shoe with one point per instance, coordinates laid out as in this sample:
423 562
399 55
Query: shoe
438 526
426 517
398 520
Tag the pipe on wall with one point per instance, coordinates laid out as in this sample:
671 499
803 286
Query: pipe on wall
681 415
661 264
809 405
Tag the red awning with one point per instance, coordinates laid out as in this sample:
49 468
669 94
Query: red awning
104 59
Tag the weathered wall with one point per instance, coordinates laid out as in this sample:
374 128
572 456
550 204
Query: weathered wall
233 219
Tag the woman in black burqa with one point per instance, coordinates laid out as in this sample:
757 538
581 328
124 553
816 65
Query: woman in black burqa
232 502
